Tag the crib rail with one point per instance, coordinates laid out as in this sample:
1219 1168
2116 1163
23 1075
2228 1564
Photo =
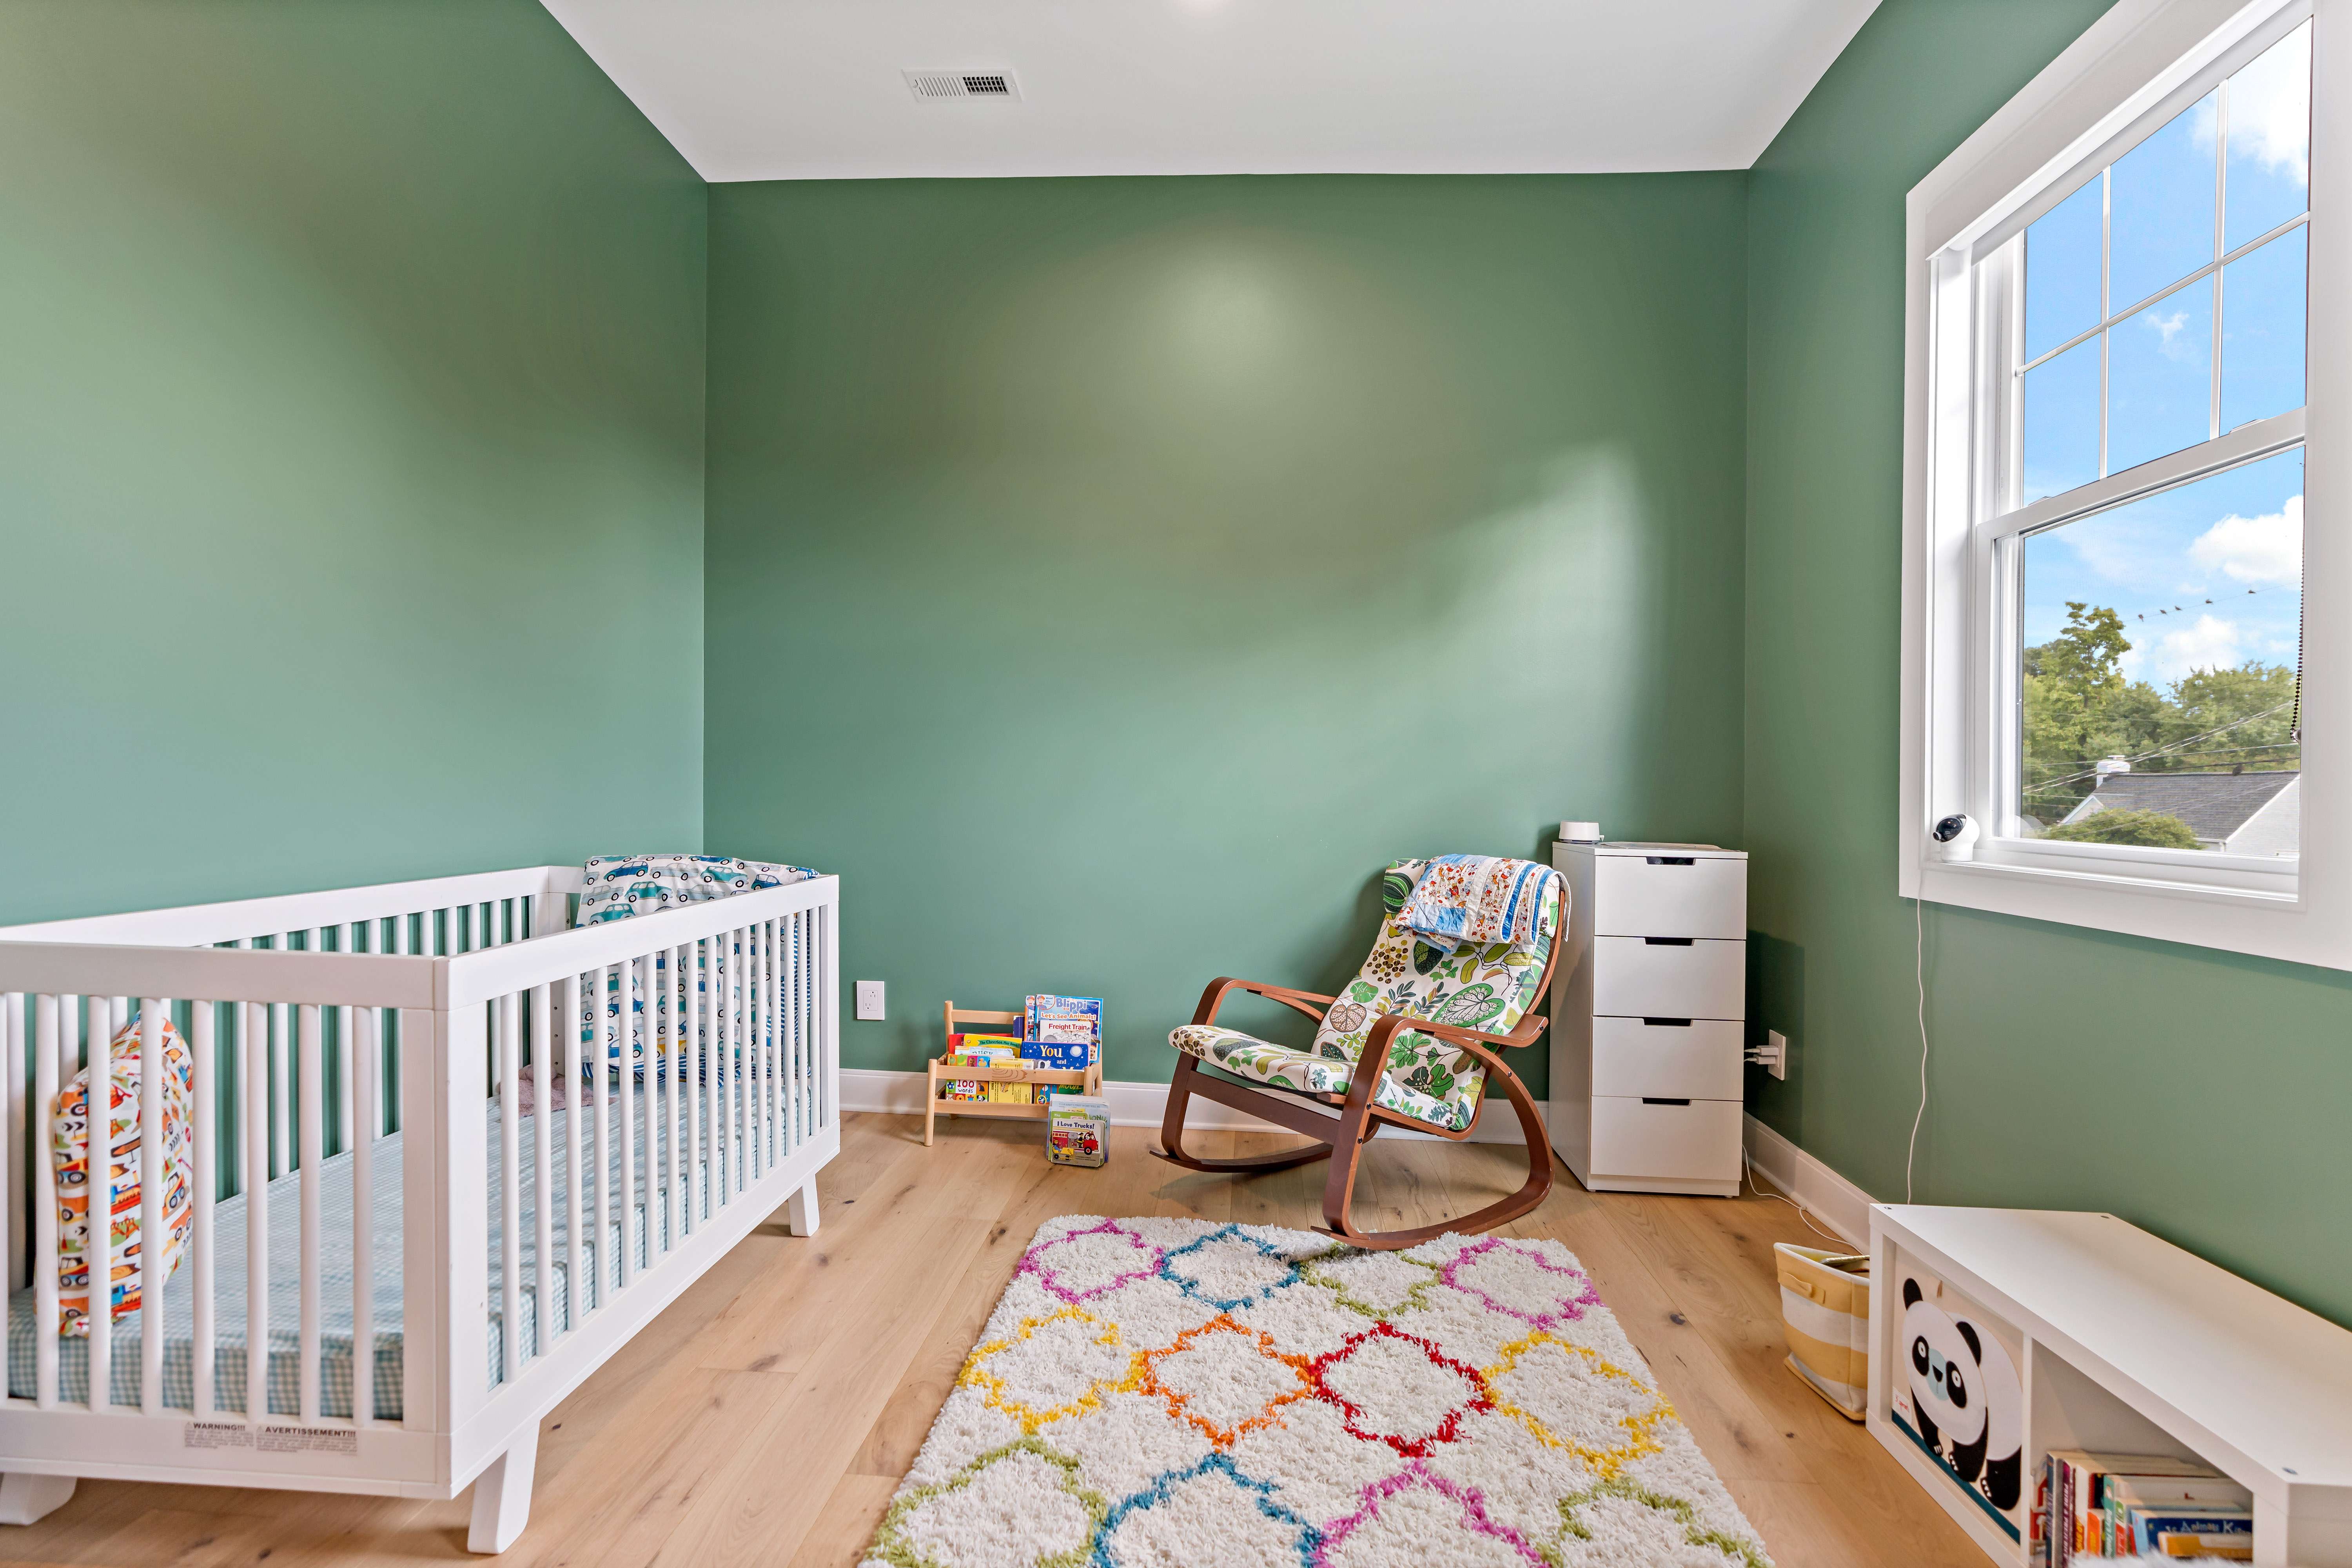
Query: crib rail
550 1201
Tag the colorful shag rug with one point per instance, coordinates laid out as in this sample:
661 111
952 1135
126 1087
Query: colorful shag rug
1176 1394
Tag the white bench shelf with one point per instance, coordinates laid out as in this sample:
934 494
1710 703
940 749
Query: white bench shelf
2133 1345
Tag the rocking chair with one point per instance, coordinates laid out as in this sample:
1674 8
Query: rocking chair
1430 1020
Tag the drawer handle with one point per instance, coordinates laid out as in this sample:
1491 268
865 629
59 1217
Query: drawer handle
1666 941
1667 1022
1648 1100
1671 859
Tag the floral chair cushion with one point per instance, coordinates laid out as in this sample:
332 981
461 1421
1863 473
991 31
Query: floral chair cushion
1488 987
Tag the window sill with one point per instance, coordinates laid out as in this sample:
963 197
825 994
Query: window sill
2287 894
2278 922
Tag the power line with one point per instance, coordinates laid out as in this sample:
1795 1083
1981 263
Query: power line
2178 745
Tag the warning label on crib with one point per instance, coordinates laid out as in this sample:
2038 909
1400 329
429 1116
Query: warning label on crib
307 1440
269 1439
215 1435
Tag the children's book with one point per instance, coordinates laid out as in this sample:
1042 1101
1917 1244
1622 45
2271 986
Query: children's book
2083 1523
1067 1020
981 1051
1077 1130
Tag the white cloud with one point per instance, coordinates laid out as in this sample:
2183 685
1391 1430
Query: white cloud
2270 107
2207 643
2170 343
2255 550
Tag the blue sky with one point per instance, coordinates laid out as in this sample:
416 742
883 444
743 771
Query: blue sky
2233 532
2205 576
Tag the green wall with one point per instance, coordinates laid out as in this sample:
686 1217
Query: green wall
1113 575
2200 1094
351 450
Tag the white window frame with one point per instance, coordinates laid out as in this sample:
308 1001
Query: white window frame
2137 64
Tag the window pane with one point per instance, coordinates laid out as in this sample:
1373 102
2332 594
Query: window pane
2261 330
2061 271
2061 422
2165 634
2160 207
2161 378
2269 139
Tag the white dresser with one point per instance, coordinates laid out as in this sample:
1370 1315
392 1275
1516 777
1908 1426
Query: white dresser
1648 1013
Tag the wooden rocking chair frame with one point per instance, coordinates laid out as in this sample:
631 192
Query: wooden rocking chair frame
1341 1139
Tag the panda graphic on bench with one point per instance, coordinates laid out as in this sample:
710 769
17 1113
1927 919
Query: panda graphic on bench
1965 1397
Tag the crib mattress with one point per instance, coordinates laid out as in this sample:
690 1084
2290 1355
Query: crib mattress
336 1242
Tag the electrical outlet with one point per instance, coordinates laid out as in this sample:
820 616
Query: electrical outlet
869 999
1775 1053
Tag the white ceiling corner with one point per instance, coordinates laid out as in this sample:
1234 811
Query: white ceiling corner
775 89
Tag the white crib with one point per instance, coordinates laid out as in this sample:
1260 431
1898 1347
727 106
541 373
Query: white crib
374 1204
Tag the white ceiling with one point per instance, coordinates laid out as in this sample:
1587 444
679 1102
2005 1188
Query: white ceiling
778 90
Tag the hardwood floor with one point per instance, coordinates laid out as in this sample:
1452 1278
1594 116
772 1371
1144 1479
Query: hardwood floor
767 1415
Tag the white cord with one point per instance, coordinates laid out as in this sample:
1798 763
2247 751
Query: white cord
1749 1167
1919 973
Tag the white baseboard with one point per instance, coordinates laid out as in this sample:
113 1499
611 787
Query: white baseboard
1131 1105
1828 1197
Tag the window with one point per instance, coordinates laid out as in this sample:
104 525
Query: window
2107 661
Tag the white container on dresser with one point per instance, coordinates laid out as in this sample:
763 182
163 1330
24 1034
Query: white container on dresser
1648 1015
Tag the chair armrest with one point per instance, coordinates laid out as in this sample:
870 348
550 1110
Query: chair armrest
1388 1025
1213 997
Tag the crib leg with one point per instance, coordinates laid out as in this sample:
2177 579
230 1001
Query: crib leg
800 1209
28 1500
502 1496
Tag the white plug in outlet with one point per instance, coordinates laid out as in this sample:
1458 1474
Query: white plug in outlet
1775 1053
869 999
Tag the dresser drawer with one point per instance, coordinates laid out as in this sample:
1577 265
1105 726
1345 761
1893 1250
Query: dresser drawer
1695 1142
1635 895
1634 977
1695 1060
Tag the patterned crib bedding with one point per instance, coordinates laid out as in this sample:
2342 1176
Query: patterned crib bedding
336 1360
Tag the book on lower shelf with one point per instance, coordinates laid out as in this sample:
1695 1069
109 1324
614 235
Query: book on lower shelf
2127 1505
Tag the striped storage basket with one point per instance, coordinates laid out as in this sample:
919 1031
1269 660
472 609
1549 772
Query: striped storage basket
1825 1307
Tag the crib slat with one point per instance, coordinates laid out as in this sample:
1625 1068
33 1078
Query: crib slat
542 1271
593 1022
682 1102
16 1140
344 1121
46 1051
801 1058
12 1147
577 1085
755 1089
772 1043
714 987
738 1121
691 1058
281 1078
253 1046
771 1128
509 1040
366 1094
202 1023
310 1137
624 1026
664 1026
101 1210
152 1239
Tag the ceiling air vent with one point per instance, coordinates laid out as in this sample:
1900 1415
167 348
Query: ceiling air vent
963 84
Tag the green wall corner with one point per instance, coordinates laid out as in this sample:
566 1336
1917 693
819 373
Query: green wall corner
2196 1093
352 435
